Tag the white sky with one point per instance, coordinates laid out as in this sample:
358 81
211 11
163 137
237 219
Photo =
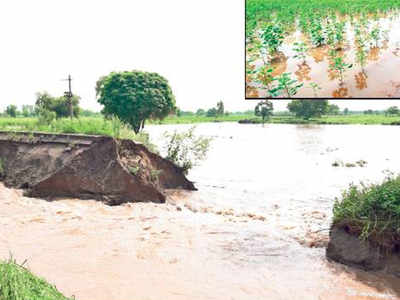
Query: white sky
197 45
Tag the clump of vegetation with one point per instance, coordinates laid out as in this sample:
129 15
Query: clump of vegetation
264 110
185 149
45 117
18 283
371 212
58 105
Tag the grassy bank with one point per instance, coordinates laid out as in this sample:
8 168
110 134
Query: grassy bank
338 120
100 126
371 212
18 283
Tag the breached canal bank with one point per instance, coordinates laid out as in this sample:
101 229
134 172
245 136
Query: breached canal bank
87 167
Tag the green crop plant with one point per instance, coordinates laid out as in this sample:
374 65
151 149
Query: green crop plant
375 35
301 51
287 85
264 76
272 38
361 57
317 37
340 67
330 34
339 32
315 87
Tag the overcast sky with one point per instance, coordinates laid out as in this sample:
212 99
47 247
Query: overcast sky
197 45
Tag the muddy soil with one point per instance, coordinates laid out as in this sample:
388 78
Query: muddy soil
347 248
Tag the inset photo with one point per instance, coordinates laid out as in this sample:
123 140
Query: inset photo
322 49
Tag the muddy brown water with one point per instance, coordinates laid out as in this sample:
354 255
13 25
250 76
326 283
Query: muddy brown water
379 80
256 229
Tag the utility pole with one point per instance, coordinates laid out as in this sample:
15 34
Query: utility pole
68 95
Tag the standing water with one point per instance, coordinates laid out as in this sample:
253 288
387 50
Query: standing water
256 229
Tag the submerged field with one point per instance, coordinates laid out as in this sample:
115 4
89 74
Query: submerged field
339 49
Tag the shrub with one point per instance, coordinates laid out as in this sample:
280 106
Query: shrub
185 149
46 117
372 212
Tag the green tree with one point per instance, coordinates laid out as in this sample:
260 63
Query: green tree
135 96
333 109
11 111
200 112
307 109
212 112
393 110
264 110
28 110
59 105
368 112
346 111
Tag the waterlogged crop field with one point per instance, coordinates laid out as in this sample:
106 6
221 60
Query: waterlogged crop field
323 48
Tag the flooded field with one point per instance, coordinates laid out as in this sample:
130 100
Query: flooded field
256 229
362 63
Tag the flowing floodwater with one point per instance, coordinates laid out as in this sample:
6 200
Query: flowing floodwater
379 79
256 229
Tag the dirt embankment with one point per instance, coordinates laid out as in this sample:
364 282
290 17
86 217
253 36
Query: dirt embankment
88 167
348 248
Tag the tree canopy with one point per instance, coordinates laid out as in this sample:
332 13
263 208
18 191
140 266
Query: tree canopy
59 105
135 96
11 110
393 110
307 109
264 110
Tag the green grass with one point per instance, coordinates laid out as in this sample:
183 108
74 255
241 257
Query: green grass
340 119
18 283
371 212
100 126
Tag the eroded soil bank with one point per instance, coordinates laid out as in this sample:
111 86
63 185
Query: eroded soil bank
86 167
348 248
